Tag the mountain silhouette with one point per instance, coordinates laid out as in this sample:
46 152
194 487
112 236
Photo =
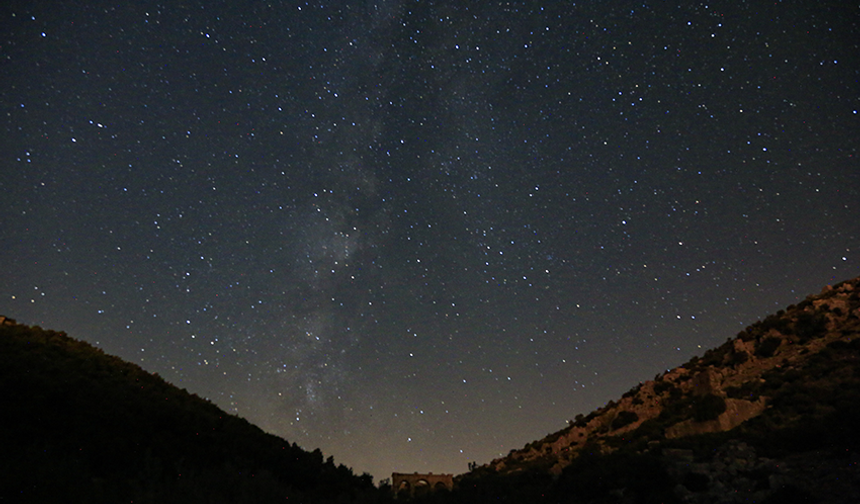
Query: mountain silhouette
77 425
769 416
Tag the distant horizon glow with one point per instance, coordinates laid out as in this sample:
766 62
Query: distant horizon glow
412 235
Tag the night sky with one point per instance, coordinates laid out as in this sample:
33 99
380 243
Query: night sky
418 234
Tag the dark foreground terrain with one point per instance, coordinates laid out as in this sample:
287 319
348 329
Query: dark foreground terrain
77 425
771 416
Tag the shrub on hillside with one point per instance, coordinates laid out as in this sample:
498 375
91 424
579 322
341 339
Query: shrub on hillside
839 345
709 407
623 419
810 326
767 346
662 386
748 390
777 322
578 421
715 356
649 429
739 358
632 392
745 335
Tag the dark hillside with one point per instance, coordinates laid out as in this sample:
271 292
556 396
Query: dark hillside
77 425
770 416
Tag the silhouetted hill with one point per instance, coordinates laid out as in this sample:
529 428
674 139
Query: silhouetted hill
77 425
770 416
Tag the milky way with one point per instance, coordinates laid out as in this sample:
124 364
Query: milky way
419 234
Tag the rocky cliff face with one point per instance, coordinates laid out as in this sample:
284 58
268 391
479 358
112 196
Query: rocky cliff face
713 393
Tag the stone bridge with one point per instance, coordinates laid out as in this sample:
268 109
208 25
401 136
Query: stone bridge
419 484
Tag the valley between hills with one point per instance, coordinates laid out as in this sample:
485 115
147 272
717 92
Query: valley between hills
769 416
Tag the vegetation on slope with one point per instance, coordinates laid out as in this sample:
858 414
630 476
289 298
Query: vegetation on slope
770 416
81 426
792 379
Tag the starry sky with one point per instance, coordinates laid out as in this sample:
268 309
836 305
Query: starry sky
418 234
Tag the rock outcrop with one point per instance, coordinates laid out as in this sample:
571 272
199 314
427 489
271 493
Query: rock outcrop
713 393
737 412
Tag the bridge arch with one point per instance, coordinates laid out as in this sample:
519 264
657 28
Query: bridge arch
411 485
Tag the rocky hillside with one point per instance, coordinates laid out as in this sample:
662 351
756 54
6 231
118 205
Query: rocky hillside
773 386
